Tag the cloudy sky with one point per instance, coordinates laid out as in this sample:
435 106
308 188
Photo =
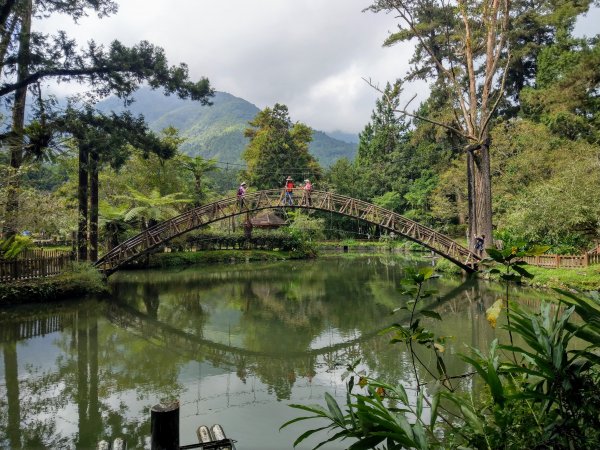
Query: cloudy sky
311 55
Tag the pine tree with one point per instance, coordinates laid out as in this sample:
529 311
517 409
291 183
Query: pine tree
278 148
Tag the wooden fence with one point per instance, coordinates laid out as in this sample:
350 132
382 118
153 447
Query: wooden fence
34 264
565 261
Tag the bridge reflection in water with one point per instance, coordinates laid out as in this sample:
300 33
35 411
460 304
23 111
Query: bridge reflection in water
230 342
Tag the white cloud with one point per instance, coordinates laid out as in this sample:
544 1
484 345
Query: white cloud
587 25
308 54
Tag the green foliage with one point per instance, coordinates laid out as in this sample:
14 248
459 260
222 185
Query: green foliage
179 259
510 258
11 247
342 177
286 240
564 99
307 227
198 167
278 148
152 208
389 200
545 397
368 420
80 279
112 224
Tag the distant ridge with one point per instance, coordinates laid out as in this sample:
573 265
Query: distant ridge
216 131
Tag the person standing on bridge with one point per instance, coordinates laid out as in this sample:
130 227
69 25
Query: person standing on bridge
289 191
307 191
241 195
479 244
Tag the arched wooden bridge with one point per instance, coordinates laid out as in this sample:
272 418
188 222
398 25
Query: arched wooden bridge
192 219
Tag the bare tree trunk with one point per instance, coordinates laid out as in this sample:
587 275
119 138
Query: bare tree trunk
94 206
18 123
471 233
480 195
82 197
197 189
483 194
459 211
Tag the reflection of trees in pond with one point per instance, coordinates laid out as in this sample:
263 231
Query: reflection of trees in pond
288 320
150 298
284 309
93 367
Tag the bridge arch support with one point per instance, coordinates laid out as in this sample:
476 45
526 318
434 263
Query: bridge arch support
195 218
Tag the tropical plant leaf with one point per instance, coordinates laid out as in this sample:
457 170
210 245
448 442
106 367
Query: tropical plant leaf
334 408
432 314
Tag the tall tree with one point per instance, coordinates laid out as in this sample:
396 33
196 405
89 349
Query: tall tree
103 139
27 57
464 53
278 148
479 54
566 94
383 147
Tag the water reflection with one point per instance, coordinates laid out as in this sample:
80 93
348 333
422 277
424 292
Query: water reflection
234 343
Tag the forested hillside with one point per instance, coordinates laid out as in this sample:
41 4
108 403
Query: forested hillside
216 131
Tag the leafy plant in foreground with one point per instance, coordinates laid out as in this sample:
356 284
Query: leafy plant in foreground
546 397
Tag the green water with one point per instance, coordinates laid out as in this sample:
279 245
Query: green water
235 344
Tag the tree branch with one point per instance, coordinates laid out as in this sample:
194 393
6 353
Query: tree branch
416 116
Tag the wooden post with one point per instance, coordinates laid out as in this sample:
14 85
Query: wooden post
557 261
586 259
164 425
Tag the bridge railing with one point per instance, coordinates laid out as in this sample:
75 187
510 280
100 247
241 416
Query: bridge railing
275 198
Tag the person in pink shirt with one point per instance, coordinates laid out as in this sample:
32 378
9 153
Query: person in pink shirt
307 192
241 194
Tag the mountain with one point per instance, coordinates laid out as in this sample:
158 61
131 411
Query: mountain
343 136
216 131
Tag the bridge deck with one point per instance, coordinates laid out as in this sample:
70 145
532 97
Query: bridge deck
192 219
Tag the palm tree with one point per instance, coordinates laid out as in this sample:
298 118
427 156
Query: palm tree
198 167
112 223
153 208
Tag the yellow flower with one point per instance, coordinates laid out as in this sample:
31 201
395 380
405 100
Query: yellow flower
493 312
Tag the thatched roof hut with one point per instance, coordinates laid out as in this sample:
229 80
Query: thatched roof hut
267 220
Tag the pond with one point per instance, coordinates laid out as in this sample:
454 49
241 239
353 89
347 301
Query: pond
235 344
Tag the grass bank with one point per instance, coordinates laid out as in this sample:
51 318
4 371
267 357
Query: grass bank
80 279
582 279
